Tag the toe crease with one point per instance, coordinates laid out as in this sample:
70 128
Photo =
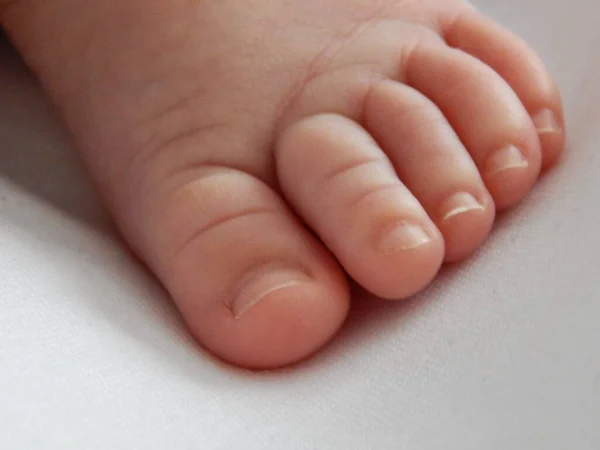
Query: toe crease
206 228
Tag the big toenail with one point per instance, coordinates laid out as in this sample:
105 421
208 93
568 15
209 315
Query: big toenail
460 203
262 282
402 236
510 157
546 123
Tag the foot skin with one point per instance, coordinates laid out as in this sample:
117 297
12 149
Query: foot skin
251 151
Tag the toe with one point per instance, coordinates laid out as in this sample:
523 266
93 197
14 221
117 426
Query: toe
433 163
487 115
346 189
522 68
253 285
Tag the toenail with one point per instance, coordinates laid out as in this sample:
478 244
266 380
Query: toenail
510 157
546 123
261 283
460 203
402 236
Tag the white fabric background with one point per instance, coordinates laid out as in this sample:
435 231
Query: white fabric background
501 353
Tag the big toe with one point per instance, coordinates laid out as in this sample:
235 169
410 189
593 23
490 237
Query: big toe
253 285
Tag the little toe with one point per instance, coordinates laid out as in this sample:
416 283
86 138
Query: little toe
252 284
346 189
430 159
524 71
487 115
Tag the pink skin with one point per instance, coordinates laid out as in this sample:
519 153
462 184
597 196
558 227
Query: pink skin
252 152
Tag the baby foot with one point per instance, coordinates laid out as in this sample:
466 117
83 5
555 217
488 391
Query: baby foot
251 150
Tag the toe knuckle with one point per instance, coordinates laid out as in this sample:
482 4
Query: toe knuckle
190 211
